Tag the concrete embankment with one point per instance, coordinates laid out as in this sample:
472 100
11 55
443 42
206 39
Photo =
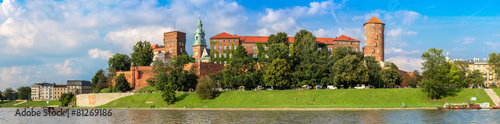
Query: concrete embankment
97 99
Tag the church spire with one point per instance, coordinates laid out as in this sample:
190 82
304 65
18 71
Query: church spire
199 34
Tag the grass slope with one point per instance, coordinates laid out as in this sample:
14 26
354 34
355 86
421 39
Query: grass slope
30 103
325 98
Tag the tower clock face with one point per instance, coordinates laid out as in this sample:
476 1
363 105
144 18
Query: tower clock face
195 52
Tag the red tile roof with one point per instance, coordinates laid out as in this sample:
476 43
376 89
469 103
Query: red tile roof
374 20
224 35
154 46
263 39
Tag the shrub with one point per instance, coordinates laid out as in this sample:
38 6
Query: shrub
66 98
122 84
169 94
205 87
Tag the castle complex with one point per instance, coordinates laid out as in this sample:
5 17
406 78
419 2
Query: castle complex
212 59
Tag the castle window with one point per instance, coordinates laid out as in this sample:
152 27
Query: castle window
356 49
224 40
319 48
376 44
170 50
377 51
229 55
230 40
220 55
373 24
329 49
245 47
373 31
379 31
254 47
224 62
219 47
181 49
196 37
254 55
219 40
234 47
378 57
376 38
224 47
224 55
265 47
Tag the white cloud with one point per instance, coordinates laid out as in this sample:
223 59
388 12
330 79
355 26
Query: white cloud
400 51
127 38
399 31
284 20
13 76
468 40
493 45
98 53
322 33
356 33
407 63
409 16
65 68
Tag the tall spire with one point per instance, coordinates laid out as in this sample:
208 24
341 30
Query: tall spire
199 34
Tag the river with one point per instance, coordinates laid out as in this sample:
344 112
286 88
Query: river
7 116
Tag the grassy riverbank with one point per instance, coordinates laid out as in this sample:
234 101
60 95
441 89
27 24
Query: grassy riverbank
350 98
29 103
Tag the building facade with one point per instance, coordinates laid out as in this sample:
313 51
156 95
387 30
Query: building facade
35 91
58 90
486 69
374 39
222 44
46 90
79 86
175 43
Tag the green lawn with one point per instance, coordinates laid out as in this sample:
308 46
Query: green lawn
8 103
31 103
325 98
148 88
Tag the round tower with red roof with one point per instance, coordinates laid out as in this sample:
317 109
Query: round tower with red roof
374 39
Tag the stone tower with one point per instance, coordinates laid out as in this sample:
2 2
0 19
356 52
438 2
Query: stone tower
199 43
374 39
175 43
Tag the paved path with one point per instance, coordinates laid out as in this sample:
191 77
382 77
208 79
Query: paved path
20 103
493 95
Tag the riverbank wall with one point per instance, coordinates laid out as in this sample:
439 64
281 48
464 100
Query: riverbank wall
97 99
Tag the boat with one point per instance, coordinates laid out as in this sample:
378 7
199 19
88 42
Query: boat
459 106
55 109
495 107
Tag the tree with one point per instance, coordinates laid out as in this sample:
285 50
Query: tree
341 52
278 74
390 64
205 88
24 92
373 71
277 51
66 98
142 54
494 61
457 77
417 77
119 62
241 71
310 62
99 81
121 84
436 73
350 71
279 38
1 96
475 78
178 78
168 94
9 94
390 77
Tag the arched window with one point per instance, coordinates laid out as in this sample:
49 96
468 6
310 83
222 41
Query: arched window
196 37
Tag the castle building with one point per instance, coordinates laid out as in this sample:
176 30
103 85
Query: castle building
222 43
200 52
374 39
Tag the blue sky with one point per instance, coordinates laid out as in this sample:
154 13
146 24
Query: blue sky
54 41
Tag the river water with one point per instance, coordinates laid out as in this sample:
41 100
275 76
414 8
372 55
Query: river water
7 116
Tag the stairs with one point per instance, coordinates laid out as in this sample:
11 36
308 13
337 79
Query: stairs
493 96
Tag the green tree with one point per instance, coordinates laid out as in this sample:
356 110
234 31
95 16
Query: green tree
99 81
277 51
279 38
350 71
494 61
475 78
436 73
310 62
142 54
373 71
168 94
278 74
1 96
341 52
241 71
205 88
390 64
457 77
119 62
121 84
178 78
24 92
9 94
66 98
390 77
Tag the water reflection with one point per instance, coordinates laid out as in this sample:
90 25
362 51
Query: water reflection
162 116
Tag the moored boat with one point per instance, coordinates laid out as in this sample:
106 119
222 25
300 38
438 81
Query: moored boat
459 106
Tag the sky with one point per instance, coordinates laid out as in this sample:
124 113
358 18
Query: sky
55 41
